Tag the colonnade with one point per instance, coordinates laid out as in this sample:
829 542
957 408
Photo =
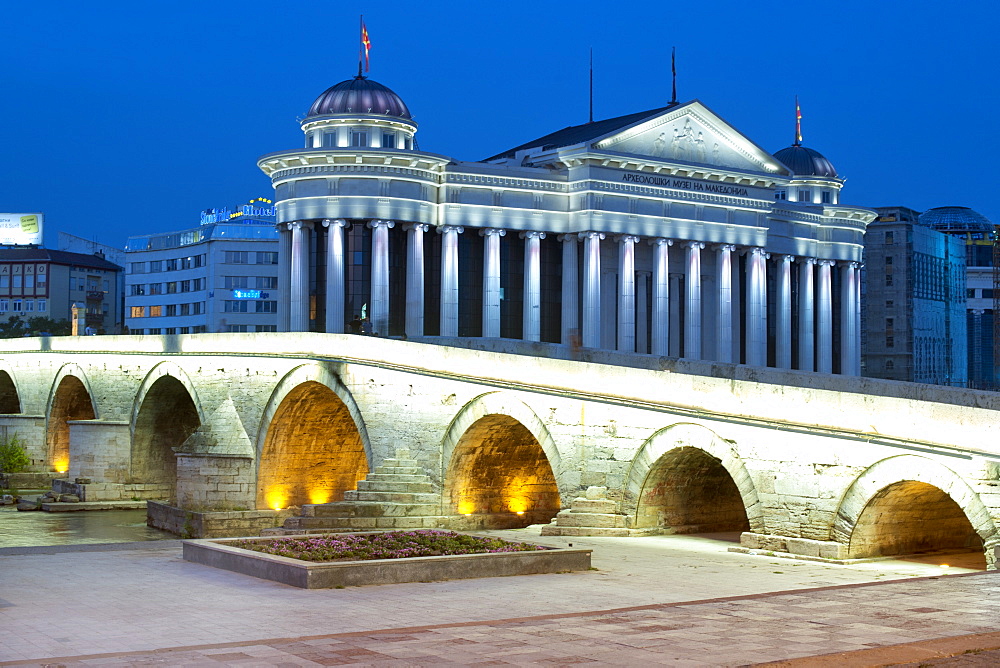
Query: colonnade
715 309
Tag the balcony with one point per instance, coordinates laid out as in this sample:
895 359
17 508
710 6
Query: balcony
95 296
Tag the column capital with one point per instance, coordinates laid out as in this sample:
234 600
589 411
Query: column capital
784 258
807 260
375 224
338 222
757 250
826 263
694 245
627 238
851 264
532 234
592 235
416 227
978 311
298 225
660 241
728 248
574 237
450 229
492 231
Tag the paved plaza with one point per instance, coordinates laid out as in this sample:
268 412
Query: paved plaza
666 600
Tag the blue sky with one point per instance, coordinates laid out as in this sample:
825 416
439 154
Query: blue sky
130 118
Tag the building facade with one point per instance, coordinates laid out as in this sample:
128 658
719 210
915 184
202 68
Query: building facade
221 276
38 282
914 301
665 232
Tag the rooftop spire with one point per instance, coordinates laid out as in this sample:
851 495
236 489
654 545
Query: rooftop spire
798 123
591 85
673 74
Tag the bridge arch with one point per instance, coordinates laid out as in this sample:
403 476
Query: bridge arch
312 444
70 398
165 412
686 475
501 464
908 504
10 398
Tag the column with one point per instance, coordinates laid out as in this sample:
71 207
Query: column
857 319
737 291
334 275
661 296
724 319
591 289
642 312
848 353
532 320
380 276
284 277
570 312
783 313
415 279
807 317
299 298
491 281
692 301
449 279
756 312
824 319
675 315
626 292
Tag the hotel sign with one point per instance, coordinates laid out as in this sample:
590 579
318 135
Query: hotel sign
21 229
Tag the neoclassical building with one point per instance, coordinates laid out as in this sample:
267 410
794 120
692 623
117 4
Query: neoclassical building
665 232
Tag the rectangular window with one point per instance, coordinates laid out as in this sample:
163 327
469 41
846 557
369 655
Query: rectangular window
185 286
234 306
4 305
267 282
137 290
781 194
185 309
170 330
172 288
138 311
970 293
155 265
236 282
43 305
18 283
5 281
888 237
29 305
359 138
171 265
237 328
197 308
826 197
804 196
199 261
889 342
156 288
889 303
267 328
237 257
137 268
267 307
267 257
888 279
388 140
187 262
29 282
199 284
329 140
888 259
409 143
17 306
888 323
199 329
171 310
987 293
185 330
154 331
155 311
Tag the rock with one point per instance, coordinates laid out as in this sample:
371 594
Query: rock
82 481
594 493
6 500
28 505
69 498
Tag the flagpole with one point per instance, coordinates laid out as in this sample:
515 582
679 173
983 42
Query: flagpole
361 42
798 123
591 84
673 73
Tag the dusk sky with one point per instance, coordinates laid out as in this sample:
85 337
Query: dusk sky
121 119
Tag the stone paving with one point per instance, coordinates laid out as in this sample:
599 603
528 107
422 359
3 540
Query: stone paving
665 600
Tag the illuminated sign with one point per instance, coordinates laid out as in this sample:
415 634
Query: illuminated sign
21 229
258 208
250 294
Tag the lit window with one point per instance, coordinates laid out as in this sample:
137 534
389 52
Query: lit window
138 311
155 311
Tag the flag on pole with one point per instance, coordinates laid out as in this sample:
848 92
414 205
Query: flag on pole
366 44
798 122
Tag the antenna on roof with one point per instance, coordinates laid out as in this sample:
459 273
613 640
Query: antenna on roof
798 123
591 85
673 74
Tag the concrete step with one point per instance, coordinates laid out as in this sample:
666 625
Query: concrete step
590 520
294 524
391 497
387 486
400 470
372 509
397 477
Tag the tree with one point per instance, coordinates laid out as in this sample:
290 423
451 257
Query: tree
13 458
16 326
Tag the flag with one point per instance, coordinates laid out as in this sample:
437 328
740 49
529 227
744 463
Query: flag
366 44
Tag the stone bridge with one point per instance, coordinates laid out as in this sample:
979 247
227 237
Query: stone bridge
810 464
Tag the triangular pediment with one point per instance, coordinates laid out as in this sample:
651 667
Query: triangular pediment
691 133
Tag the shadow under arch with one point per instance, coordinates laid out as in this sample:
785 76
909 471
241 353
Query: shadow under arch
70 398
908 504
10 398
500 464
687 475
165 412
312 444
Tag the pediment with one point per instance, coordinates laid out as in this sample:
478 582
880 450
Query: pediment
691 134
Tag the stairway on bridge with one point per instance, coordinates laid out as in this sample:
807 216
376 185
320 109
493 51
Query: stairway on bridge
397 495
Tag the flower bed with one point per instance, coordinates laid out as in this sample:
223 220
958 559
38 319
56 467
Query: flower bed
342 560
388 545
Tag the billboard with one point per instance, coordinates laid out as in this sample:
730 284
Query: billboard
20 229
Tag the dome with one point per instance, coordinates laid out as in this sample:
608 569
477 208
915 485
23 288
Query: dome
806 162
955 219
359 96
